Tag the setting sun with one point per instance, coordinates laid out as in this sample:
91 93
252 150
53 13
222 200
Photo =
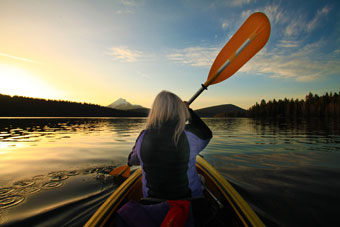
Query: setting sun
17 81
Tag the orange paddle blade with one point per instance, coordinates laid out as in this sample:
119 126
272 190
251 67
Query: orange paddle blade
247 41
120 170
126 174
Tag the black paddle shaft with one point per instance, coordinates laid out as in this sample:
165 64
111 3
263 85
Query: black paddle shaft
197 93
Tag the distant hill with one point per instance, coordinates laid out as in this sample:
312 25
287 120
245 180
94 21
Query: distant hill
221 111
122 104
19 106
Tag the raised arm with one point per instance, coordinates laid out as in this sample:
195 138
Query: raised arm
198 127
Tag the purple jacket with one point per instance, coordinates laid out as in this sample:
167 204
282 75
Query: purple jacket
169 170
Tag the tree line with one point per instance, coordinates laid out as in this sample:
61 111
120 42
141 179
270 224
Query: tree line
313 106
19 106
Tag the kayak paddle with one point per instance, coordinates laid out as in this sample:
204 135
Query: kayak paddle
123 171
245 43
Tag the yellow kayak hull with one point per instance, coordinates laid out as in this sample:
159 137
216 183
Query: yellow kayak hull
219 189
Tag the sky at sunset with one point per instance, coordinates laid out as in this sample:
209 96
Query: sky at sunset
99 51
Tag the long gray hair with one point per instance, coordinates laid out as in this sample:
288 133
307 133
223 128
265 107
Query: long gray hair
168 106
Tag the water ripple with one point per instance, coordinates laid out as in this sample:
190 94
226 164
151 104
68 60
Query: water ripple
6 191
10 201
16 193
52 185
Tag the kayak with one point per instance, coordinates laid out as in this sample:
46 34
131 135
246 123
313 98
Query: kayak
216 188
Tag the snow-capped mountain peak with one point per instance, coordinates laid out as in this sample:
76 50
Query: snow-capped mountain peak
120 101
122 104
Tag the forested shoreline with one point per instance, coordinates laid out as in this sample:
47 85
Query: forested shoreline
19 106
313 106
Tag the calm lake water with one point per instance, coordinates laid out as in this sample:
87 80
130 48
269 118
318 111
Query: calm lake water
54 171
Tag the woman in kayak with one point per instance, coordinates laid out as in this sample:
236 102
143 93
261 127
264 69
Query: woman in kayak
167 149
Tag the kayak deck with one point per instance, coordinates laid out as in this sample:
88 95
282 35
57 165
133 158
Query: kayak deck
235 209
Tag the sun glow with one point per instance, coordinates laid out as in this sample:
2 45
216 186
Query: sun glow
18 81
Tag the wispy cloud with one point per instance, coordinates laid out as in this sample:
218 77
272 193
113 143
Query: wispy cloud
315 22
295 23
124 54
295 27
127 7
275 13
19 58
288 43
305 64
225 24
229 3
239 3
124 11
299 24
194 56
289 56
129 2
246 13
